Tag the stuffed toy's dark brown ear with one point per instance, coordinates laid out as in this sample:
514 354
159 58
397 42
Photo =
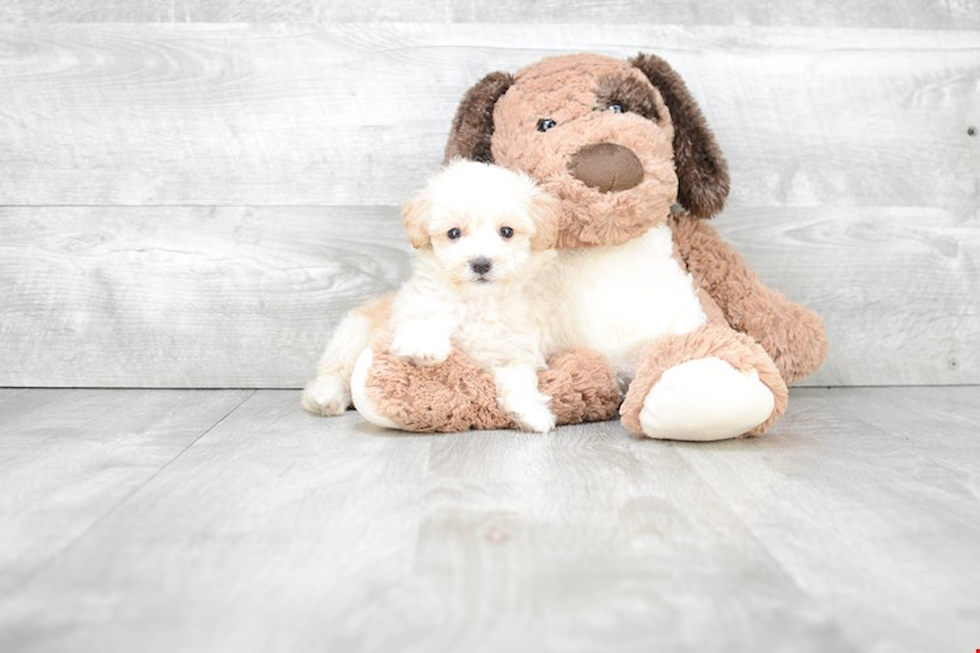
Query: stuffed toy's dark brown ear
702 172
473 125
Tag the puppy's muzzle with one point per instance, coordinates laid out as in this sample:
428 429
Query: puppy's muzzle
481 265
607 167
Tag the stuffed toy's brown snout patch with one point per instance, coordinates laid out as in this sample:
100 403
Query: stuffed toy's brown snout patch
607 167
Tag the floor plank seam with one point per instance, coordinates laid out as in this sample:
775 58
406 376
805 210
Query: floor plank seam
108 513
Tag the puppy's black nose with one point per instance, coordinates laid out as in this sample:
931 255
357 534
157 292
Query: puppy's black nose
481 265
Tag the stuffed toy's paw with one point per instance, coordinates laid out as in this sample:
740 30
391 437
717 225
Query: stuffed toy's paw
705 399
458 395
710 384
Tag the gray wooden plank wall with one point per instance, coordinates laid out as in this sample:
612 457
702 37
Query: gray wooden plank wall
905 14
192 193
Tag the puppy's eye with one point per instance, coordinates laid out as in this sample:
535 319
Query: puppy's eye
506 232
616 108
453 233
545 124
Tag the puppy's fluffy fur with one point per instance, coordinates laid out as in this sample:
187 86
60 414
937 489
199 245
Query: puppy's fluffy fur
485 236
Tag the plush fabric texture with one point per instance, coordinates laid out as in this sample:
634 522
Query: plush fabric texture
792 335
628 93
736 349
472 128
619 143
606 167
454 396
701 168
459 396
582 387
564 90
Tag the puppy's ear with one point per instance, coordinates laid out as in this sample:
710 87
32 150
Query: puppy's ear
415 218
472 127
544 211
702 172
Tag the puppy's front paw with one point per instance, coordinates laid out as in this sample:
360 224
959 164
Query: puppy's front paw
531 413
539 420
420 347
326 396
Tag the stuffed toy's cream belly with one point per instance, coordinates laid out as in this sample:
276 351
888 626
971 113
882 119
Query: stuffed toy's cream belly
617 299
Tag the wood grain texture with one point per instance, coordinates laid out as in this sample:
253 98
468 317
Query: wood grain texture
596 541
855 184
273 533
884 488
916 14
189 297
10 393
162 11
349 114
280 531
906 14
898 288
70 457
184 297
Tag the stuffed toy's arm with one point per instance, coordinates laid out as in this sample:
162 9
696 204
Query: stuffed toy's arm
459 395
793 335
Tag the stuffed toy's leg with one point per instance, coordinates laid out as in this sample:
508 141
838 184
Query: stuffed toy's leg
710 384
792 335
458 395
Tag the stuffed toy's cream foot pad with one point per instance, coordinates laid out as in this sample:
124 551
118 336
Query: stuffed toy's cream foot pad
705 399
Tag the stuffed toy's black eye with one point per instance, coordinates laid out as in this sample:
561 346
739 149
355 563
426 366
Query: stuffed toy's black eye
545 124
453 233
617 108
506 232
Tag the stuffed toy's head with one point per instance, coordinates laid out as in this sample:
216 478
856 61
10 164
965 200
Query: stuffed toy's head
618 142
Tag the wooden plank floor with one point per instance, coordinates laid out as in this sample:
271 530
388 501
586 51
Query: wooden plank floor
135 520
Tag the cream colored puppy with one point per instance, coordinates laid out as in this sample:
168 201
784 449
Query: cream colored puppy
485 238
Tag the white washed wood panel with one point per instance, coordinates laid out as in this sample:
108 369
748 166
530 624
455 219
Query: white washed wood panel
71 457
357 114
278 531
9 394
876 486
265 536
917 14
898 288
163 11
193 297
185 297
855 185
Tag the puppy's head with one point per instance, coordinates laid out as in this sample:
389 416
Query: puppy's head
482 223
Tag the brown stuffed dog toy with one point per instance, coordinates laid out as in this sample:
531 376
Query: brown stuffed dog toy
664 321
